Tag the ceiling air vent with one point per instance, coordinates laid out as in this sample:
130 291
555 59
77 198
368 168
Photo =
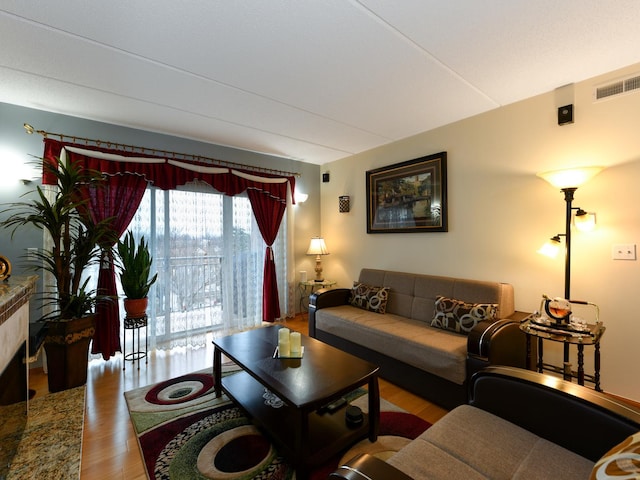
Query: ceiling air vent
618 88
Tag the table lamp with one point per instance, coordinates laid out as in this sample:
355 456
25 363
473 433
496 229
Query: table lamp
317 247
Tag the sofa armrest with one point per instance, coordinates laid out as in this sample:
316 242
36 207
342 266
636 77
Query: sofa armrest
575 417
367 467
325 298
497 342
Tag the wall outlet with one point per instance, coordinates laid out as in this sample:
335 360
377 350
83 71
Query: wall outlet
623 251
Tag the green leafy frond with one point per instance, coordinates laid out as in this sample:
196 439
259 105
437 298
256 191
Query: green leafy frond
134 263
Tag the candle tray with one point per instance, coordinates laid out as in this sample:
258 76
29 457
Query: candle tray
276 354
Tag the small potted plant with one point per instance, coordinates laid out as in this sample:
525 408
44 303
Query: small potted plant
134 263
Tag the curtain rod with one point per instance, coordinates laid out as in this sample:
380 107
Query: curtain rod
154 151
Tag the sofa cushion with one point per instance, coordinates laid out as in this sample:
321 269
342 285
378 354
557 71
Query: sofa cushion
471 444
436 351
369 297
459 316
622 461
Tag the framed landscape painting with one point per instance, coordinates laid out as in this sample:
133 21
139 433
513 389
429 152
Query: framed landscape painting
408 197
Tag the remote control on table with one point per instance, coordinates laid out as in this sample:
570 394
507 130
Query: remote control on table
336 404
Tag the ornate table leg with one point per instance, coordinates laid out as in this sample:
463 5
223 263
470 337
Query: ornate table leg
567 375
596 359
540 355
580 364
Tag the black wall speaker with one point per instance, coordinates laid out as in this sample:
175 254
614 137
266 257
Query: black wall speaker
325 177
565 115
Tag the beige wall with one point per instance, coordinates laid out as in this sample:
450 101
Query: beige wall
500 212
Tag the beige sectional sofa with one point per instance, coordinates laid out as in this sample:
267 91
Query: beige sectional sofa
435 363
518 425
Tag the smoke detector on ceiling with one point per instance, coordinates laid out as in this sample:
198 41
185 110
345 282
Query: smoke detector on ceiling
619 87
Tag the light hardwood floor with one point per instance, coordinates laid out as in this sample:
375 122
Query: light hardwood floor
110 449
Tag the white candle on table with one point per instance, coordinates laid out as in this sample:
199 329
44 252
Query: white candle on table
284 345
283 334
295 344
284 349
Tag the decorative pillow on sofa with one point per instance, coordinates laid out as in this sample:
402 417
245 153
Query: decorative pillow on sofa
369 297
622 461
459 316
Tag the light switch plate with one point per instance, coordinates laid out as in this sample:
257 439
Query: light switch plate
623 251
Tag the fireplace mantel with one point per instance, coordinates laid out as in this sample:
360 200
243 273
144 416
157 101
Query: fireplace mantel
14 329
14 293
14 376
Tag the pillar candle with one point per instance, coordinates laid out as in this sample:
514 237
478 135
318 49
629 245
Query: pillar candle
295 344
283 334
284 349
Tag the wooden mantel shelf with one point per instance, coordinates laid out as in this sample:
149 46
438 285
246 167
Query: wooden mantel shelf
14 293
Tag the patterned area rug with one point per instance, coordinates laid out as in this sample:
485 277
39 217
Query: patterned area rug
184 432
51 446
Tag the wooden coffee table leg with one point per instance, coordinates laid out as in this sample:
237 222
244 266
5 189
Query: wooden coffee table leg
217 371
374 408
301 444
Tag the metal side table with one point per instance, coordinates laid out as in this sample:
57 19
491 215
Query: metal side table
308 287
135 324
590 336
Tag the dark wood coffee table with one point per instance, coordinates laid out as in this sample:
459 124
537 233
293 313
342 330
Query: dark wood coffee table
305 434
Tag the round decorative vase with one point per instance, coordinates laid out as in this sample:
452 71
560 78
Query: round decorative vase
67 348
558 309
136 307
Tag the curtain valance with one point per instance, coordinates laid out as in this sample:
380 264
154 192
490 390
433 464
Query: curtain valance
167 173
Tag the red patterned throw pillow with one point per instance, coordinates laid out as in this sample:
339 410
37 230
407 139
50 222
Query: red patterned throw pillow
460 317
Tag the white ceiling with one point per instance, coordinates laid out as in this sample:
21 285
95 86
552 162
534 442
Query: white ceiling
313 80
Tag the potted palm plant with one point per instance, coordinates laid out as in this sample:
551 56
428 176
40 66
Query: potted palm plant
134 262
68 301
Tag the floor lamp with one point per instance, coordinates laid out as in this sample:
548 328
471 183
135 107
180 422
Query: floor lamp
568 182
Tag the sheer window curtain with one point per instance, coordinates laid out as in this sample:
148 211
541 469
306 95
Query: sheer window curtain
209 255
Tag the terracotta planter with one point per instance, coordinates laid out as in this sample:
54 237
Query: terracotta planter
136 307
67 347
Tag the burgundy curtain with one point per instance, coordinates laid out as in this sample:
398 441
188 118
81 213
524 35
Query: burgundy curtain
117 198
167 173
268 212
267 193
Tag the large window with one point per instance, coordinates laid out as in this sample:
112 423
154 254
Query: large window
209 256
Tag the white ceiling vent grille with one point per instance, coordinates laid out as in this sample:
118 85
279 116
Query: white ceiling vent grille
618 88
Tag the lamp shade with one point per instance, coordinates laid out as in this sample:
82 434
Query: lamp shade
584 221
317 247
301 197
551 247
570 177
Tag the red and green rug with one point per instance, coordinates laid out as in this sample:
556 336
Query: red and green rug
184 432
